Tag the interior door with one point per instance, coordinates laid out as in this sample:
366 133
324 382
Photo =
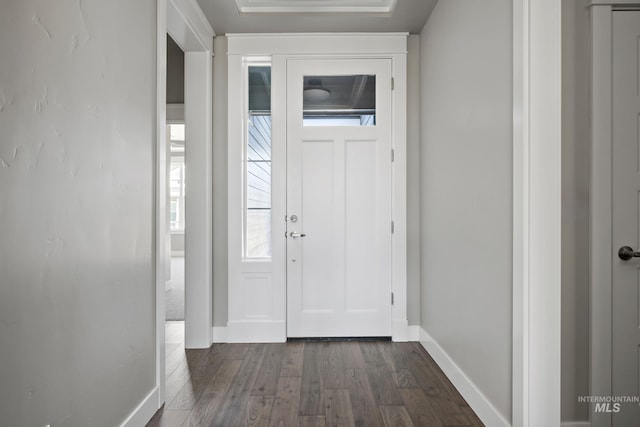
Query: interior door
339 197
626 216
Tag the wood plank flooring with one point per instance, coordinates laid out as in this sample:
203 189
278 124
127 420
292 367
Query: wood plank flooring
364 384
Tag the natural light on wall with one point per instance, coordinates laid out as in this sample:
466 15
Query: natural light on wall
257 212
177 177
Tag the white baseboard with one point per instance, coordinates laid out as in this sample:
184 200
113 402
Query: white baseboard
474 397
256 332
144 412
219 334
575 424
413 333
400 331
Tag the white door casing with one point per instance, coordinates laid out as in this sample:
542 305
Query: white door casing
185 22
258 313
339 189
626 214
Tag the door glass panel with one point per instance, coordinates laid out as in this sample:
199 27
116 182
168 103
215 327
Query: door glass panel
257 227
339 100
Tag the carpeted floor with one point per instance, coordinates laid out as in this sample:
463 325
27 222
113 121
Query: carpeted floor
174 294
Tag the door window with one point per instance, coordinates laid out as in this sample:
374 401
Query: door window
339 100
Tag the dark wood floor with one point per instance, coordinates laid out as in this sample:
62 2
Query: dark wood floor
307 384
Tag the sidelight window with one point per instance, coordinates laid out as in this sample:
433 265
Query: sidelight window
257 194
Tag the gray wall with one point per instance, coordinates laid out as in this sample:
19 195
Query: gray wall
576 67
466 159
175 73
413 180
77 113
220 266
177 244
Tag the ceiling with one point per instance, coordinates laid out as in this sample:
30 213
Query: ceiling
291 16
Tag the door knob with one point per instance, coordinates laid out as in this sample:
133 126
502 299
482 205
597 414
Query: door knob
293 234
625 253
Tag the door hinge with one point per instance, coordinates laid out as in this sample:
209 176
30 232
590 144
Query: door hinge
393 227
393 83
391 298
393 155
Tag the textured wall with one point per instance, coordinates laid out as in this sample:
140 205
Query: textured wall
77 120
466 152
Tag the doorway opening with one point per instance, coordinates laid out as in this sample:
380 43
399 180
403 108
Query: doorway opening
176 173
189 30
176 216
175 289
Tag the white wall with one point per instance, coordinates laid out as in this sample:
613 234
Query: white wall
220 261
177 244
466 188
576 67
77 121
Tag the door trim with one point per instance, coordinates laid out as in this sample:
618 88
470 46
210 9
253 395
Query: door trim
537 200
187 25
399 318
280 47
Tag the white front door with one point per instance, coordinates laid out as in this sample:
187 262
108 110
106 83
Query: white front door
339 197
626 216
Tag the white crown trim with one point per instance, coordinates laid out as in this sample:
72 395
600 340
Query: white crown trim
316 6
